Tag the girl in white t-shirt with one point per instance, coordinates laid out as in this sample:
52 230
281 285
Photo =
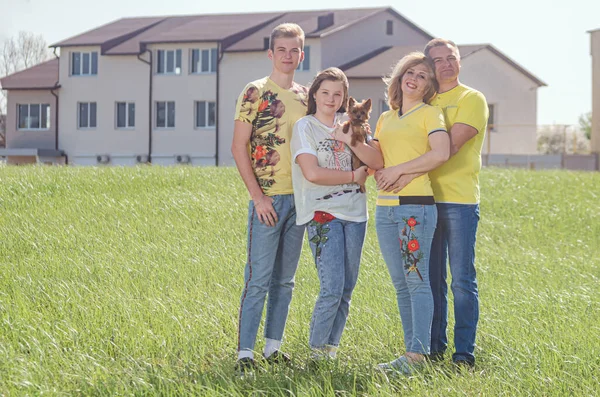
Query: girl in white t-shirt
329 201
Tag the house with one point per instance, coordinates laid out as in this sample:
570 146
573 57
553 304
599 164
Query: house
510 90
163 89
595 53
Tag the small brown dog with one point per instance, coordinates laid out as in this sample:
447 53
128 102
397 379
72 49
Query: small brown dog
358 114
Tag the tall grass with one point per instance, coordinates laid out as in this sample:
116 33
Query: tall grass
127 281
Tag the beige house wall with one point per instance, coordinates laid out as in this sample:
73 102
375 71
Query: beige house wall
366 36
184 89
240 68
595 51
514 97
119 78
39 139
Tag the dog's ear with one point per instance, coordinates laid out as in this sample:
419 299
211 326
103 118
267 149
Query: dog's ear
368 104
351 102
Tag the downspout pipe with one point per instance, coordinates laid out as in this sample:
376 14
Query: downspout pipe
56 110
219 57
149 63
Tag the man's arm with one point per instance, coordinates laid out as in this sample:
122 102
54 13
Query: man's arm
459 135
239 149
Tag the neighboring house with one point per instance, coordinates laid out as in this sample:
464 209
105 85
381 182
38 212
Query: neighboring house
510 90
595 52
163 89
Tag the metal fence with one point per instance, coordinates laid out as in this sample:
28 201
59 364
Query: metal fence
586 162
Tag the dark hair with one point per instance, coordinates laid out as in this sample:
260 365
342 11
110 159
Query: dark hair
438 43
329 74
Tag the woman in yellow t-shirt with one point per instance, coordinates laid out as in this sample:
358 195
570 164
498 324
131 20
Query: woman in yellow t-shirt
413 140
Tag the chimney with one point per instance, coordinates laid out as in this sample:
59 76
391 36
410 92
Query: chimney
325 21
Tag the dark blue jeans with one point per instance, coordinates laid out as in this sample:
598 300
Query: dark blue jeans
454 239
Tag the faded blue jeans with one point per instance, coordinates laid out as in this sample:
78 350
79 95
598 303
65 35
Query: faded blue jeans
454 239
405 233
272 260
337 247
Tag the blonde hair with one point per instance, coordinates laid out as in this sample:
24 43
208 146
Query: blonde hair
329 74
394 81
288 30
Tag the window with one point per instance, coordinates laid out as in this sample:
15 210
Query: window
125 115
165 114
84 63
168 62
205 114
34 116
87 115
491 118
389 27
204 61
305 64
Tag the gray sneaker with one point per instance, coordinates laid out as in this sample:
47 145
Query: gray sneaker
399 365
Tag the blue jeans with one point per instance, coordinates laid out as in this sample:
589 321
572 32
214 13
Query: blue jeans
455 239
337 248
273 254
405 233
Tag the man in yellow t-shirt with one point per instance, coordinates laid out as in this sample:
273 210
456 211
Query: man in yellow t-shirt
456 190
266 112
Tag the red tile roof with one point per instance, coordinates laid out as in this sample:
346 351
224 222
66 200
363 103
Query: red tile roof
39 77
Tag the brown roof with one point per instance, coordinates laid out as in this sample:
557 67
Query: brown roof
39 77
309 22
380 62
119 29
193 29
238 32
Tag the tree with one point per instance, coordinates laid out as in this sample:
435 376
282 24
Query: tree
20 52
585 123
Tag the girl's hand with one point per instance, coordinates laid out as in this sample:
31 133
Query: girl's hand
339 135
360 175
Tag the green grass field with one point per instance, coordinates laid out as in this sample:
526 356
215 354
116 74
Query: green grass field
120 281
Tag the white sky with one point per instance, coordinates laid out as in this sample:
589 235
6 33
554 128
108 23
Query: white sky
547 37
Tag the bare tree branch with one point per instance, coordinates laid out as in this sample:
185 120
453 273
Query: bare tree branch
17 53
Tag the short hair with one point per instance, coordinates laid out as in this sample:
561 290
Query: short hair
394 81
329 74
438 43
288 30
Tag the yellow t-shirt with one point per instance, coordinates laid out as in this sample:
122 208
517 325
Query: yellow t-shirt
404 138
457 180
272 111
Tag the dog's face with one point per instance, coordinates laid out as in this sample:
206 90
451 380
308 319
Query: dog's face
359 112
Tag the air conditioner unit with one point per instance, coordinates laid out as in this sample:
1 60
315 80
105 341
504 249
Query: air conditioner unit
182 159
142 158
103 159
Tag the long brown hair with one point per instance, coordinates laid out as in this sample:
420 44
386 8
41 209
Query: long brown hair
394 81
329 74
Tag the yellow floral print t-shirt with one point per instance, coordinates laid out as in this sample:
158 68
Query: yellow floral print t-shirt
272 111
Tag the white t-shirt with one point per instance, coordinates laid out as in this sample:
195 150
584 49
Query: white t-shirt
343 201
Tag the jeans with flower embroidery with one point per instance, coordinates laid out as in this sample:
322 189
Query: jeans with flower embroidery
405 233
454 239
273 254
337 247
